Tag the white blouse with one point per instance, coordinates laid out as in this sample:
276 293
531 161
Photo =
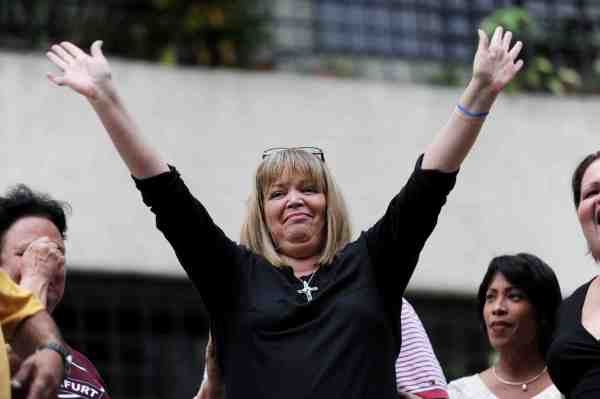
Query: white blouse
473 387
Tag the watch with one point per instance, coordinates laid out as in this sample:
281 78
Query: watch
64 353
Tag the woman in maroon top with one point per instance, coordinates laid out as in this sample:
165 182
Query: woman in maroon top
32 252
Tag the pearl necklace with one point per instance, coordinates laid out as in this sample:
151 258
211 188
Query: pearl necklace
522 384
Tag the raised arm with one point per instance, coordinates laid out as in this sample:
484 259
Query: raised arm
90 76
494 66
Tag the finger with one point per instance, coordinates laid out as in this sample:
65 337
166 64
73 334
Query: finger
96 49
41 240
62 53
75 51
57 80
496 38
484 42
23 375
56 60
506 40
39 390
518 65
514 52
14 360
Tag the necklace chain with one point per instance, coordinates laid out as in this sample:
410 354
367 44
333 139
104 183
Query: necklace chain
311 276
522 384
306 288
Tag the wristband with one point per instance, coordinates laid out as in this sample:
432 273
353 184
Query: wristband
64 353
470 114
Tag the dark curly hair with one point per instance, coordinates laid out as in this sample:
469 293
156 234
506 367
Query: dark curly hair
21 201
537 281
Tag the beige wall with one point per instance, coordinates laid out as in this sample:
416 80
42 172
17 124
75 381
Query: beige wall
512 194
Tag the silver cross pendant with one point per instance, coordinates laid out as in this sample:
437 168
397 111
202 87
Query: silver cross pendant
307 290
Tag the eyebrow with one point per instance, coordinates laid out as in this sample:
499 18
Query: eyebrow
594 184
276 185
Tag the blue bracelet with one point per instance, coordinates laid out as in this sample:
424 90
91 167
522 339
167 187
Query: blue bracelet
471 114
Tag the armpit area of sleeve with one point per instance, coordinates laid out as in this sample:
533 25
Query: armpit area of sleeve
434 179
16 304
155 187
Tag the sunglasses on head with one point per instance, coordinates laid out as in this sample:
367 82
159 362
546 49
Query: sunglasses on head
316 151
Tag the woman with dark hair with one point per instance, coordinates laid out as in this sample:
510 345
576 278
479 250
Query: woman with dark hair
574 356
517 303
299 310
33 229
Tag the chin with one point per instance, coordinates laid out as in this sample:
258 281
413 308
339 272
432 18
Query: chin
498 343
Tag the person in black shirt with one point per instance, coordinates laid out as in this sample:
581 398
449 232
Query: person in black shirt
297 310
574 356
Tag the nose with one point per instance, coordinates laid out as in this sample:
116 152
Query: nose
295 199
499 307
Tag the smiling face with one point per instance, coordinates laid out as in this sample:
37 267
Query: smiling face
509 317
588 210
15 242
295 211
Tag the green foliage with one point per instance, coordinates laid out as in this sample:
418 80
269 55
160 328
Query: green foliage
190 32
558 58
515 19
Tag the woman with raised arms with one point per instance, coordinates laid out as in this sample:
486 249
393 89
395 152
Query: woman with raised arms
297 309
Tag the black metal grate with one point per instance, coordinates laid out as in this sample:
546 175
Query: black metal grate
146 335
434 30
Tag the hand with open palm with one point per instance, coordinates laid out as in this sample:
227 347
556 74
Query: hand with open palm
87 74
496 63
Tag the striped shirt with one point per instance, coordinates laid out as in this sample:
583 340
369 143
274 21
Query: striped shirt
418 370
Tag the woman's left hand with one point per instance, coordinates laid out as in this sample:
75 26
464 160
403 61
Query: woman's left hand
495 63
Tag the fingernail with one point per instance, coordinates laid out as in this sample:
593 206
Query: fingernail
15 384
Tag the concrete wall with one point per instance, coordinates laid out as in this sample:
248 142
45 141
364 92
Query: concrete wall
512 194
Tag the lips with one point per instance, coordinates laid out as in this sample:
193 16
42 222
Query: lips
499 325
296 215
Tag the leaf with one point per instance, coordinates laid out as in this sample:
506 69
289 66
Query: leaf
168 56
533 79
556 87
516 19
569 76
543 64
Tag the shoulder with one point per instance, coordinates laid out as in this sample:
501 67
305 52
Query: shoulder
468 387
465 381
576 298
550 393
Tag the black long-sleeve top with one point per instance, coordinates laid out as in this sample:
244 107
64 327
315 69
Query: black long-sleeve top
574 355
270 341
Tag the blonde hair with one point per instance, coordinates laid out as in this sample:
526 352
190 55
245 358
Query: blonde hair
255 233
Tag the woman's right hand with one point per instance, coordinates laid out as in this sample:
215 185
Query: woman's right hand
87 74
43 259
